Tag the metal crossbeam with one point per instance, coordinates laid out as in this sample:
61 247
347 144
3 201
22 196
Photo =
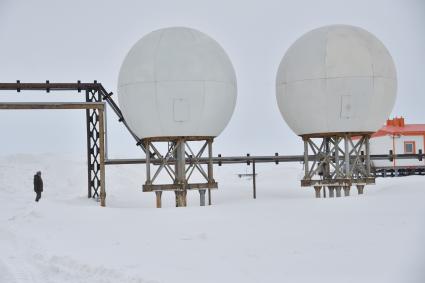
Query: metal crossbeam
49 105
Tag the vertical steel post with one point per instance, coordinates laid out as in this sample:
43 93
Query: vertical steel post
210 162
347 157
102 157
148 162
367 145
254 185
337 165
181 161
306 166
329 158
106 130
210 169
180 173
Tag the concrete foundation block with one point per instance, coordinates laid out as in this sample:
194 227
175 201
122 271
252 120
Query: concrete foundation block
331 192
181 198
158 195
202 197
360 189
317 191
346 191
338 191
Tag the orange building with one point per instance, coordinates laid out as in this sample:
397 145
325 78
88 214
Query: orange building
400 138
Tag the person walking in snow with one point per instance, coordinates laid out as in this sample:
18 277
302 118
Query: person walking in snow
38 185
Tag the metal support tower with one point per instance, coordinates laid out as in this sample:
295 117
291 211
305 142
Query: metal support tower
175 163
93 149
339 161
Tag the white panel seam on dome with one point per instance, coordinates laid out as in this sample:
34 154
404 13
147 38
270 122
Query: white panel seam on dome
326 75
155 81
177 81
339 77
373 74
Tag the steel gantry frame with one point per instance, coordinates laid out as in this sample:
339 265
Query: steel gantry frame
95 123
96 168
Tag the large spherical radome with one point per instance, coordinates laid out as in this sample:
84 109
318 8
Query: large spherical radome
177 82
336 79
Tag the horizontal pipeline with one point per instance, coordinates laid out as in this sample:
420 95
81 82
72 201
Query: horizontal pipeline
257 159
18 86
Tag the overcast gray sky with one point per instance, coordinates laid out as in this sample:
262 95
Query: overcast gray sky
66 41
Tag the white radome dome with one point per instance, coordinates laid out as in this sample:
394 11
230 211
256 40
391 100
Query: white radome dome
177 82
336 79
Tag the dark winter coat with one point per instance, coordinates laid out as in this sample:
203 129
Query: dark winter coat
38 184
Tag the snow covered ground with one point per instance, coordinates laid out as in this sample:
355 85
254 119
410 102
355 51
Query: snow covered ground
285 235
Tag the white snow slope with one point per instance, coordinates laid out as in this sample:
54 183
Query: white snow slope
285 235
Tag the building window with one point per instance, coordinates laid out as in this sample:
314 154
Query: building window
409 147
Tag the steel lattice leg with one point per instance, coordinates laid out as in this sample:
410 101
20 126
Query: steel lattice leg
93 145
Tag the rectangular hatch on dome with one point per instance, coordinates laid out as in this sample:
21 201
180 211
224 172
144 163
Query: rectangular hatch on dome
346 107
181 110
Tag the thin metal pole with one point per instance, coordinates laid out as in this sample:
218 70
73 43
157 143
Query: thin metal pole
347 157
210 163
180 162
106 132
148 163
367 156
102 157
254 187
306 167
337 165
210 169
326 173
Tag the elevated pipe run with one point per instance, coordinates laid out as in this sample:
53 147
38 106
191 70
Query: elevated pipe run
47 86
79 86
258 159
